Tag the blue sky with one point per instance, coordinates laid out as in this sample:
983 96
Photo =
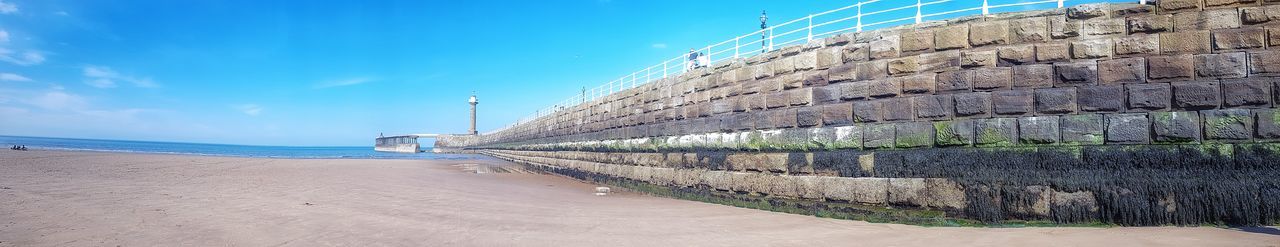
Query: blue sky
323 73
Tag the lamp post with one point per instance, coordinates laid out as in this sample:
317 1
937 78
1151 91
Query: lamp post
764 33
473 102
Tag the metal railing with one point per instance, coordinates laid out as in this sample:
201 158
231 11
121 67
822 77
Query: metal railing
859 17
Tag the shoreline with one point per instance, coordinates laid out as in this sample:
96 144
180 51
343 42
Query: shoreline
77 198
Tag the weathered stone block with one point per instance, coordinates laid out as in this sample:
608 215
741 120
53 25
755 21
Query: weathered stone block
1167 68
1086 11
855 90
972 104
829 57
1219 3
1128 128
988 33
782 65
917 41
1236 39
783 118
1038 130
913 134
1148 97
1265 63
1029 30
1076 73
856 52
882 88
951 37
1122 70
1149 23
1097 27
1207 20
1033 76
933 106
758 162
777 100
761 71
867 111
1056 100
808 116
896 109
1252 92
837 114
996 132
790 81
903 65
886 47
878 136
1184 42
816 78
1012 102
952 81
1226 65
1137 44
1196 95
916 84
1175 127
992 78
826 94
1228 124
843 72
938 61
722 106
1268 123
872 70
1060 28
954 133
741 121
1017 54
802 96
978 58
1052 52
1102 98
1084 129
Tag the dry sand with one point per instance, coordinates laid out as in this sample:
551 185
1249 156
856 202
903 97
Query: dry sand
52 198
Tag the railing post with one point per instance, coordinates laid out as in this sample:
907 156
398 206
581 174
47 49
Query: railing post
736 46
664 68
810 27
985 7
918 17
770 30
859 26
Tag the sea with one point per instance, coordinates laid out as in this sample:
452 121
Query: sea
151 147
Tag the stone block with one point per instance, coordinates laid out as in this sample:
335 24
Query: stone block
777 100
882 88
1099 27
1017 54
1252 92
1185 42
939 61
1122 70
1196 95
783 118
755 101
1091 48
855 52
837 114
1076 73
1012 102
972 104
782 65
816 78
854 90
886 47
741 121
951 37
992 78
1168 68
903 65
1055 100
1084 129
867 111
826 94
913 134
1033 76
1060 28
802 96
790 81
1236 39
1227 124
806 60
1149 23
808 116
1029 30
1225 65
1178 5
1264 63
953 81
761 71
917 40
1139 44
970 59
996 132
916 84
1086 11
1175 127
878 136
1268 123
758 162
1038 130
933 106
829 57
896 109
1131 128
988 33
1209 19
1053 52
954 133
841 73
872 70
722 106
1148 97
1101 98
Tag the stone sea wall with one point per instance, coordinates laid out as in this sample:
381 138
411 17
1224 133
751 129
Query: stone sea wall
1110 113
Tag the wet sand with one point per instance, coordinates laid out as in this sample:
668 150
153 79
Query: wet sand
50 198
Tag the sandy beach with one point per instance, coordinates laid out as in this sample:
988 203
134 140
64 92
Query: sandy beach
53 198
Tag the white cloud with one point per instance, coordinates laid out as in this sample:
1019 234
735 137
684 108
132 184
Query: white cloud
58 100
25 58
659 45
105 77
4 36
61 13
343 83
8 8
249 109
13 77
